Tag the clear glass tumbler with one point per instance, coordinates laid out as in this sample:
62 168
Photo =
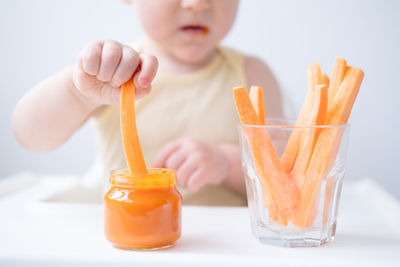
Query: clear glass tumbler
293 179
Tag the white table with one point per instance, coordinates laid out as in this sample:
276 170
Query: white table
36 232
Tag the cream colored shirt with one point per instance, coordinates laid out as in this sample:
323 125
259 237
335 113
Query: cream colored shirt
197 105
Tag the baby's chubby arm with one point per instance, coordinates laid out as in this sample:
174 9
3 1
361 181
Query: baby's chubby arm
50 113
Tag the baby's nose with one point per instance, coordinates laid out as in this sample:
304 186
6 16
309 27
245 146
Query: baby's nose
197 5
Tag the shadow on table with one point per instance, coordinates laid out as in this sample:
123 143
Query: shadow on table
354 240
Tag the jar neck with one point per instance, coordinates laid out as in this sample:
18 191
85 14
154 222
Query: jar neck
157 178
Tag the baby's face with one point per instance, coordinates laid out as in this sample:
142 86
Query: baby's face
187 29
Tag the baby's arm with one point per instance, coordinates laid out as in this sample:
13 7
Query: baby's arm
53 110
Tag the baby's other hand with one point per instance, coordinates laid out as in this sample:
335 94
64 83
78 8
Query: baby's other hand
196 163
103 66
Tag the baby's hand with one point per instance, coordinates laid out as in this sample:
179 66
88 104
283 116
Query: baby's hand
196 163
103 66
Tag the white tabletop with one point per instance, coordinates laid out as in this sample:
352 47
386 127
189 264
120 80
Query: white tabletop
36 232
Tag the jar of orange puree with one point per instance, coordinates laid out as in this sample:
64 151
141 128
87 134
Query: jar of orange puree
143 212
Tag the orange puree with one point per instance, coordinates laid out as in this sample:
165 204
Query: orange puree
143 212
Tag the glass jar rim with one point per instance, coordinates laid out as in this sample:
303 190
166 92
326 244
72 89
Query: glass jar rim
156 178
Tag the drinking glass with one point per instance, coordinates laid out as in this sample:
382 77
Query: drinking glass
293 203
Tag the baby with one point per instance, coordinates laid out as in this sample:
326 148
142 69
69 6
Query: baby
186 122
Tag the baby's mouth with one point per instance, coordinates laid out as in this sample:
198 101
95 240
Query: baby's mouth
195 29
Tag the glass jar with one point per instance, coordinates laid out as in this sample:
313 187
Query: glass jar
143 212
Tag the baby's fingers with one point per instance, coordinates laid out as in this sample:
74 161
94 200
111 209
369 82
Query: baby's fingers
165 152
149 66
90 57
110 58
186 170
176 159
127 66
195 181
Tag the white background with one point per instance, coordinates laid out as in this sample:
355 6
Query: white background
40 37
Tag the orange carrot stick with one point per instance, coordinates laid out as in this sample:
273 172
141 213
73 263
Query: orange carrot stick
337 76
327 147
345 97
266 160
257 99
248 114
338 71
277 215
256 95
327 144
310 135
133 151
325 79
289 155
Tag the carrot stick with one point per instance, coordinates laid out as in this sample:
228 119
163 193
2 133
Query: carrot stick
278 216
327 147
256 95
309 136
325 80
289 155
249 115
257 99
133 151
337 76
338 71
306 211
345 97
266 160
314 77
273 211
